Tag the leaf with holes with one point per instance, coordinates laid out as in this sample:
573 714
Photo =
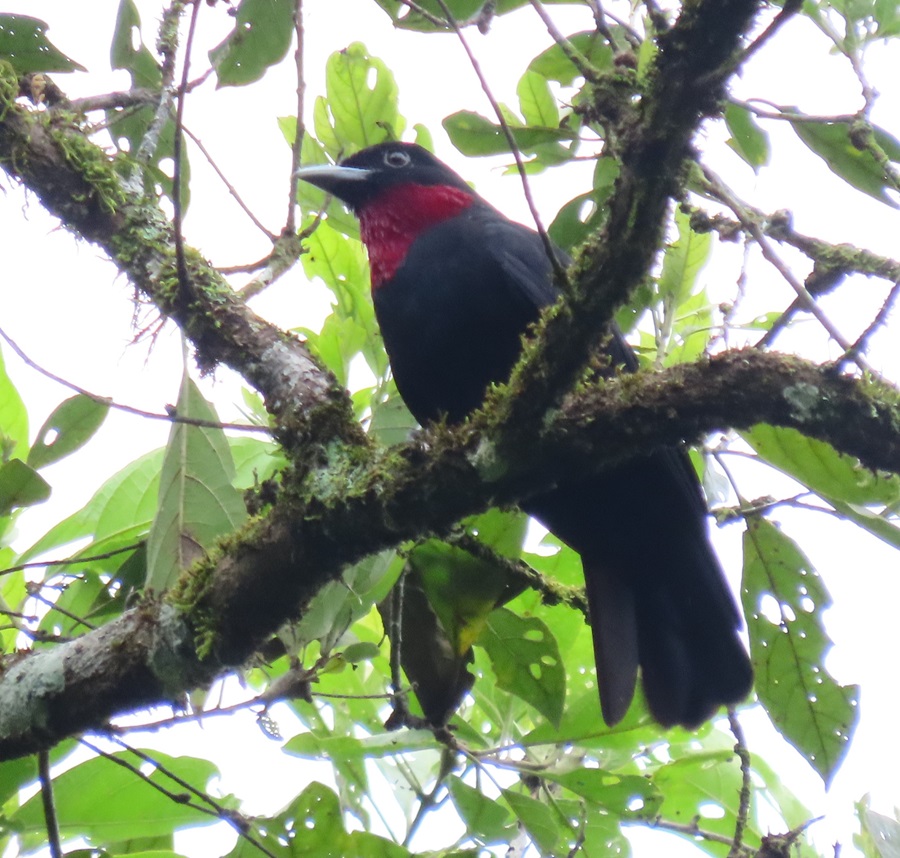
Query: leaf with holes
69 427
261 37
361 106
25 47
526 660
784 600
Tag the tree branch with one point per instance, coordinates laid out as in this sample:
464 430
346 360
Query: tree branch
231 603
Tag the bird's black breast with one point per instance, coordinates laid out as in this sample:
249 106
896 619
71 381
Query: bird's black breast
453 314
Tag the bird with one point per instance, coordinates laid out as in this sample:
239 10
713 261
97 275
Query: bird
455 285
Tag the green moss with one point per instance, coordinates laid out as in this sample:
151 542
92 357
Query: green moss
88 160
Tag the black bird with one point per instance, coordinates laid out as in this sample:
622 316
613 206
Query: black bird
455 285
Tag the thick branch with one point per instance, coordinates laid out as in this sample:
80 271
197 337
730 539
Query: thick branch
268 572
696 56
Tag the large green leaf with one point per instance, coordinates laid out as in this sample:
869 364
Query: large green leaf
784 600
122 508
197 499
261 37
69 427
819 466
361 104
526 661
25 47
105 802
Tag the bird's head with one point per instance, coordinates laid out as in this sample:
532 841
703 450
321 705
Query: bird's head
398 191
364 177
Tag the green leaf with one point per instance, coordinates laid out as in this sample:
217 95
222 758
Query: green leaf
584 215
747 139
197 499
615 793
473 134
819 466
13 416
462 589
879 836
69 427
261 37
536 101
542 824
484 818
137 59
105 802
339 604
705 786
784 600
121 509
361 107
25 47
554 63
833 142
683 260
526 661
20 486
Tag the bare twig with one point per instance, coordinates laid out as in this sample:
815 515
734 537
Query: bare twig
128 409
575 56
740 748
558 269
185 287
70 561
290 225
231 189
880 319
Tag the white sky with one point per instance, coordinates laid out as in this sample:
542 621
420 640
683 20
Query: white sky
66 307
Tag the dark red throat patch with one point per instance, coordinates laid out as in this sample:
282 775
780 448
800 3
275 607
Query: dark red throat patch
395 219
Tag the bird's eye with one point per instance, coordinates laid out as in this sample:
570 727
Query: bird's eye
396 159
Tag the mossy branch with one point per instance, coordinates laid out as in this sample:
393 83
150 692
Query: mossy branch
264 575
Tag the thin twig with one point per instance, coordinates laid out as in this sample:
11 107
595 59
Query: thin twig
185 287
231 189
740 748
128 409
559 270
209 805
880 319
290 225
50 819
749 224
43 564
787 11
575 56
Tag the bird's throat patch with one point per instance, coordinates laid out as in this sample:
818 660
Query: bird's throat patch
391 222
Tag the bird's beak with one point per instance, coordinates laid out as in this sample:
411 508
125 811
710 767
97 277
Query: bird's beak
331 177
